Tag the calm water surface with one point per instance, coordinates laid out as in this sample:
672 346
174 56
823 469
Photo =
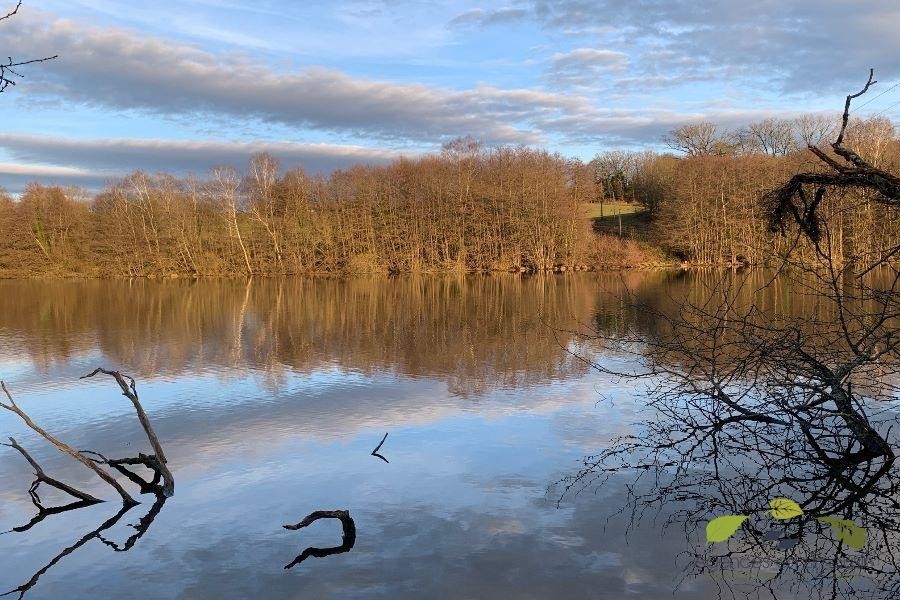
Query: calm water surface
270 396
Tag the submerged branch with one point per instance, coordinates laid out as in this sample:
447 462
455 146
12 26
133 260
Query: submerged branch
348 540
42 477
158 459
127 500
378 447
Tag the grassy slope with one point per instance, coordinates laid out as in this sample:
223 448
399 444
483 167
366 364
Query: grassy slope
632 248
591 210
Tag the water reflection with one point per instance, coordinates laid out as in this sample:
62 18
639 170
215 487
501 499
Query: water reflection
141 528
270 396
750 408
477 333
348 526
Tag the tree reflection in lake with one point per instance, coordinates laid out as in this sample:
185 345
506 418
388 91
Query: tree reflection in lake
141 527
746 405
268 406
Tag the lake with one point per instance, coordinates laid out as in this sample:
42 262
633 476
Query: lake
269 398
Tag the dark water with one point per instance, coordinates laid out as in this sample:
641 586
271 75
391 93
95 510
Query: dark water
269 398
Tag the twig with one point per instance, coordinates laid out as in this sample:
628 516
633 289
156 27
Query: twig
12 12
377 448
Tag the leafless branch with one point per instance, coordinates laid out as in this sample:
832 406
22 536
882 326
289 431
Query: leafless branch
378 447
8 69
42 477
65 448
158 459
348 540
13 11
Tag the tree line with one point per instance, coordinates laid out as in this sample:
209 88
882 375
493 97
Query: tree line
705 206
465 209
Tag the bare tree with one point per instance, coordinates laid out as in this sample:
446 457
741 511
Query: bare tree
262 180
814 129
695 139
226 185
774 137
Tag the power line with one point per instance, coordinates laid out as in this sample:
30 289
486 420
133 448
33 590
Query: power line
893 87
897 103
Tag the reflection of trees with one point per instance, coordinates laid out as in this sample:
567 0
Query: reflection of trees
747 403
475 332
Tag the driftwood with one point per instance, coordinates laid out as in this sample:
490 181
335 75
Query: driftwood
65 448
378 447
161 485
349 535
156 461
163 482
42 477
790 201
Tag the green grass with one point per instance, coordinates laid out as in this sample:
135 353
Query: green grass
633 218
591 210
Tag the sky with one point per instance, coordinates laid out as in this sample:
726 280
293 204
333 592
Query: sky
186 85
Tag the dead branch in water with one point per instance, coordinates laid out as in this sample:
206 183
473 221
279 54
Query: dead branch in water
163 482
42 477
378 447
349 534
156 461
65 448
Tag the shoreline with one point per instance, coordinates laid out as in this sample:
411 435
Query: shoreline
674 266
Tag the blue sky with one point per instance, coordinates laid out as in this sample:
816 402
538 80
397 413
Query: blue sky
185 85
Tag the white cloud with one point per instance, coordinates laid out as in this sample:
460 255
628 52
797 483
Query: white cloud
119 69
583 66
92 162
798 46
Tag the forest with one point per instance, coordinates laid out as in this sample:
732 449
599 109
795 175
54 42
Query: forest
466 209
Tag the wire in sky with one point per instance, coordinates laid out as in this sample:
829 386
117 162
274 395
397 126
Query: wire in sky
897 103
893 87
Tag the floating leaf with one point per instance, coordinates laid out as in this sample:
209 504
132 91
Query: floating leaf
847 531
722 528
784 509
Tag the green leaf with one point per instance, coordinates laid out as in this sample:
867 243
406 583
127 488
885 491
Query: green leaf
784 509
847 531
722 528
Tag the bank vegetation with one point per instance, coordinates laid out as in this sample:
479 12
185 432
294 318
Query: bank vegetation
465 209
